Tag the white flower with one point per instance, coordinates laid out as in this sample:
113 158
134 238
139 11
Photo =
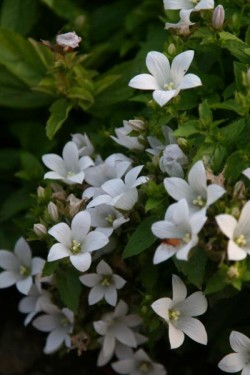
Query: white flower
19 267
83 143
68 40
246 172
139 364
126 140
198 195
121 194
158 146
117 327
165 81
178 232
106 218
183 25
239 360
192 5
237 232
104 284
172 160
76 242
59 323
178 313
70 168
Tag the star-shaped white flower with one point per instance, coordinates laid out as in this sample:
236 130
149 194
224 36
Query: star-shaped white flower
198 195
166 81
117 327
239 360
179 312
121 194
178 232
103 284
238 233
83 143
124 138
69 168
156 145
192 5
59 323
172 160
138 364
19 267
76 242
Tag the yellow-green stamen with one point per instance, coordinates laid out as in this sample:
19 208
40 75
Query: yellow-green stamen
173 314
240 240
199 201
75 247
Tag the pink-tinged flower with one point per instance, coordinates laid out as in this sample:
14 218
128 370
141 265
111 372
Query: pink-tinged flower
70 39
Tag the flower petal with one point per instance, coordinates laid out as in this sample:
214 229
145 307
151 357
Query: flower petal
58 251
54 340
23 252
194 305
234 252
163 252
176 337
239 342
81 261
161 307
178 4
90 279
80 226
158 65
193 328
62 233
227 224
94 240
55 163
197 178
163 96
244 220
111 295
24 285
8 278
189 81
178 188
214 192
95 295
9 261
125 366
144 82
179 289
180 65
232 363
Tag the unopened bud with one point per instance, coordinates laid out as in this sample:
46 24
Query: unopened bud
233 272
218 17
137 124
40 192
39 229
52 210
171 49
239 190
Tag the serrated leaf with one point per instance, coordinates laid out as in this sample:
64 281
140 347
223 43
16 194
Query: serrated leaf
141 239
194 268
59 114
69 287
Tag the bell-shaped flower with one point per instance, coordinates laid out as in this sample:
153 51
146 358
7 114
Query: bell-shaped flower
178 232
70 39
121 194
238 233
165 81
239 360
191 5
198 195
172 160
104 284
76 242
19 267
138 364
182 27
83 143
106 218
59 324
157 146
70 167
116 327
124 138
179 311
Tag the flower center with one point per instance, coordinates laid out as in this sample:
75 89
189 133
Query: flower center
64 322
75 247
173 314
24 271
199 201
70 174
186 238
144 366
110 218
106 281
240 240
194 1
169 86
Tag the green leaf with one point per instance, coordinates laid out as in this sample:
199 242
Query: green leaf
194 268
141 239
236 163
235 45
50 268
19 15
32 169
80 93
16 202
217 282
187 129
69 287
206 115
232 132
104 82
59 114
20 58
65 9
230 105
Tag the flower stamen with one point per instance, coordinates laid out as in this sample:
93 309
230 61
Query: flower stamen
173 314
75 247
241 240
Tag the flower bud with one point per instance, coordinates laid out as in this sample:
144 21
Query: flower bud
40 192
52 211
39 229
137 124
218 17
171 49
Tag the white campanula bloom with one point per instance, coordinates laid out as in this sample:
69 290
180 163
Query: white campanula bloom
117 328
115 166
157 146
19 267
83 143
104 284
121 194
138 364
179 311
238 233
165 81
76 242
183 25
70 39
124 138
198 195
191 5
178 232
172 160
239 360
106 218
69 168
59 324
